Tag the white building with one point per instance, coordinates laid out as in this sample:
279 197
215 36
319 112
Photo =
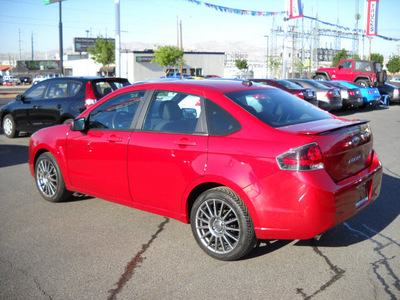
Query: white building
136 65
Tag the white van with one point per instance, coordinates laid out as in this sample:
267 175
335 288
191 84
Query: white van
40 78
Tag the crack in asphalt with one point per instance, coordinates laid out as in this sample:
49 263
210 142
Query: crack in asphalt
135 263
338 273
25 273
384 261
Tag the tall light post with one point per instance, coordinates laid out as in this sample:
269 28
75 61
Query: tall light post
117 40
267 55
60 32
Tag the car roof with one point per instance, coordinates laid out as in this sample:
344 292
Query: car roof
223 85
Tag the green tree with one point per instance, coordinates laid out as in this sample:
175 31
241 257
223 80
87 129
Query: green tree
103 51
168 57
274 63
342 54
377 57
393 64
299 66
241 64
356 56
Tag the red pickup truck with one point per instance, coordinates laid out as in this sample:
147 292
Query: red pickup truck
364 72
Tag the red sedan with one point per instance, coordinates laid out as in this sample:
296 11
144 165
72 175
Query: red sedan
236 160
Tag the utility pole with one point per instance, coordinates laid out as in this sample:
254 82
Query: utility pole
286 20
61 53
19 42
292 51
117 40
32 45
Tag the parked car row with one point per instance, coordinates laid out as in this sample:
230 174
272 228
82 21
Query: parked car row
336 94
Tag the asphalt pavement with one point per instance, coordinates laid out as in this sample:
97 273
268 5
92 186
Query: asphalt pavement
89 248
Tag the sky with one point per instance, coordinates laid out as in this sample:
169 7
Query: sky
155 22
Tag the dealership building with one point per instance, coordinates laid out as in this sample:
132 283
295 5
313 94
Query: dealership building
137 66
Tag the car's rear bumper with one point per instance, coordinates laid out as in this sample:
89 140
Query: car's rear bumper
302 205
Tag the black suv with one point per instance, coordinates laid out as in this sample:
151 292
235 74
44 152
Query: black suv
55 101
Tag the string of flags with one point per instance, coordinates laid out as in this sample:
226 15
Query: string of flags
237 11
295 11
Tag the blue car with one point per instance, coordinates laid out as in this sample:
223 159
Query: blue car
371 96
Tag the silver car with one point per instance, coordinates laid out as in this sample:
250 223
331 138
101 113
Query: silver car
328 98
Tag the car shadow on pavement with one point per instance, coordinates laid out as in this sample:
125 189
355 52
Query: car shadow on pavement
11 155
369 222
351 111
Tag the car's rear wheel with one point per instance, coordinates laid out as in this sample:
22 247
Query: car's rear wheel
221 224
9 127
49 180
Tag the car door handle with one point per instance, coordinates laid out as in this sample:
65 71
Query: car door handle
36 106
59 106
185 142
114 139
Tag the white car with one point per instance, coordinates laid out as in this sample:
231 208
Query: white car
395 79
12 79
40 78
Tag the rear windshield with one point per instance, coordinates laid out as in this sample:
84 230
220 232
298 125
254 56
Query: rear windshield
289 85
315 84
277 108
103 87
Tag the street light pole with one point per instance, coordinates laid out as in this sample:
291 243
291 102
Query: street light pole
61 41
267 55
117 40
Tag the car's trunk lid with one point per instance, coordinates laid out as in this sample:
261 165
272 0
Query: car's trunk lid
346 144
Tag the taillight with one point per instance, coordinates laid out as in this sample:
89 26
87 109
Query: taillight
329 94
90 98
304 158
300 95
351 93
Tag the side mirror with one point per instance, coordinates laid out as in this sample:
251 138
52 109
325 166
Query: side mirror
20 98
79 125
340 67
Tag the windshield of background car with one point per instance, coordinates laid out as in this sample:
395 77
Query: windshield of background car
104 87
277 108
289 85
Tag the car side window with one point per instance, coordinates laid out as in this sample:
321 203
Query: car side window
219 121
36 92
174 112
57 89
116 113
346 65
74 88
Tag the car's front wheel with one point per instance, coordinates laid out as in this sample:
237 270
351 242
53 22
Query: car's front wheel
221 224
9 127
320 78
49 180
364 83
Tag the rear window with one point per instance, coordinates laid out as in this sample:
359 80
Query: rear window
104 87
289 85
277 108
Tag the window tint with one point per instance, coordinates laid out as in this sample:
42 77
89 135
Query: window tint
277 108
346 64
57 89
74 87
103 88
363 66
174 112
288 84
36 92
117 113
219 121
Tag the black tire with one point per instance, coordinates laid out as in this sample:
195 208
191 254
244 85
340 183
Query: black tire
320 78
49 180
9 127
221 224
382 77
363 83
